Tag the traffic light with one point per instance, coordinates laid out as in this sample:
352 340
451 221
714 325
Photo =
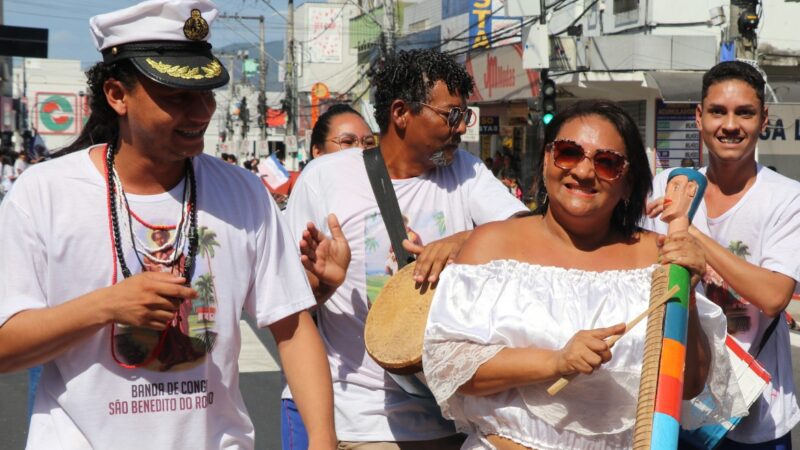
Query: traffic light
244 116
262 110
547 94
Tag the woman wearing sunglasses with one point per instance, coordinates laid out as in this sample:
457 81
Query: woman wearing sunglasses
533 299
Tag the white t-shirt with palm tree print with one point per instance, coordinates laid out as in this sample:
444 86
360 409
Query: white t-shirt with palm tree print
763 228
56 246
369 405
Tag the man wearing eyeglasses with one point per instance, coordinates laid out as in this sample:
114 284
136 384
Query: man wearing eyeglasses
442 191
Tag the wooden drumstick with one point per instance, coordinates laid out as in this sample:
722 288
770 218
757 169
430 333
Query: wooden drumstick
563 381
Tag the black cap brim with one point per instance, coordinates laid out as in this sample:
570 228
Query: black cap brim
178 65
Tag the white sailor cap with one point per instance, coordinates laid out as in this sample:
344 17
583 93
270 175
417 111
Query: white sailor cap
166 40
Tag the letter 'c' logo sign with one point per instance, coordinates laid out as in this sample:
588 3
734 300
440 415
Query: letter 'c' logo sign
56 113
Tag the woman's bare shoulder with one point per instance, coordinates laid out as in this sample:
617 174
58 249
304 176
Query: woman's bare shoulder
647 246
498 240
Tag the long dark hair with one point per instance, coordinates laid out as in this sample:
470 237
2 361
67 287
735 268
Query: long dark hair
103 123
626 215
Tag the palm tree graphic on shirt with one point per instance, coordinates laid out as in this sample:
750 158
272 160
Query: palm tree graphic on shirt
720 292
205 307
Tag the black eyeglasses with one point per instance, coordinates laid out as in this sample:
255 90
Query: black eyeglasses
454 115
348 140
608 164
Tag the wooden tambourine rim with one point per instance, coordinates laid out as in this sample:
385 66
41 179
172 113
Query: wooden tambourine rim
400 302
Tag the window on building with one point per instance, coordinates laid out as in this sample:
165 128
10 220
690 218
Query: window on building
621 6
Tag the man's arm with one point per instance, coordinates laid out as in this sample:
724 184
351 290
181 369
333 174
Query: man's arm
767 290
305 364
434 257
35 336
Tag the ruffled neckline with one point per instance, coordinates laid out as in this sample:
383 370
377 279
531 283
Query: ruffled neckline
516 267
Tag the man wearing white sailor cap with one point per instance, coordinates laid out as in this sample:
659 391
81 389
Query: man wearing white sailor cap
127 260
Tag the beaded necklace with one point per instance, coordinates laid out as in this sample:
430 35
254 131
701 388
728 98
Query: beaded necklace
186 229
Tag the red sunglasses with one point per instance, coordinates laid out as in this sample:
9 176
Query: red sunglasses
608 164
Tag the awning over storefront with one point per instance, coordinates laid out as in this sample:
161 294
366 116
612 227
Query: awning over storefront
676 87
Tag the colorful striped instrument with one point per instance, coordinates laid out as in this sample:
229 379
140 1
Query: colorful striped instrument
661 388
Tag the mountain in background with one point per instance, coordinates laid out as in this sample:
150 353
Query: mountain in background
274 50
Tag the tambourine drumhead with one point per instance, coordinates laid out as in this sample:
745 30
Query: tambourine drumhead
396 323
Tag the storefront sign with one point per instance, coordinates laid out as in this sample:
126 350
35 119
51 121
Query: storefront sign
55 113
782 136
677 137
324 34
489 125
480 24
499 75
473 131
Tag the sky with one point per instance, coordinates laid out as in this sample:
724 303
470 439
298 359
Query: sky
68 22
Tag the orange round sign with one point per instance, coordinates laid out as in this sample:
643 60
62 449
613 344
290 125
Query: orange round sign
320 90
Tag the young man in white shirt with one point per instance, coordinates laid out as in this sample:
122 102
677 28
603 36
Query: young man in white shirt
442 191
749 227
126 265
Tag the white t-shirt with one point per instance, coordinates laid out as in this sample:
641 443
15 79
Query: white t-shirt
369 406
56 246
763 228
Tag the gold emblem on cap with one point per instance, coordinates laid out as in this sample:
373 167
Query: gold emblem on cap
195 28
210 70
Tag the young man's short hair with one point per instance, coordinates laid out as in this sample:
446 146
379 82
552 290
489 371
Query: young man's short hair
735 70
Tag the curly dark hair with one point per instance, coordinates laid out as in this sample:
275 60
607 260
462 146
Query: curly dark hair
103 123
410 76
625 218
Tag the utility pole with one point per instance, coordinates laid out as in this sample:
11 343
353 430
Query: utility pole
262 63
534 132
291 76
262 59
388 25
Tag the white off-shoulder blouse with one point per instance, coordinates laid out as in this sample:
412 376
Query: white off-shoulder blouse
480 309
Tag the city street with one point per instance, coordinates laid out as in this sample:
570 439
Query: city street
260 383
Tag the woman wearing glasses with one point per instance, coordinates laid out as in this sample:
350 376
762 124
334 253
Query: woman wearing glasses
339 128
533 299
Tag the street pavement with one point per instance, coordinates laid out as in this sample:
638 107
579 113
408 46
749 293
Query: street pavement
260 382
